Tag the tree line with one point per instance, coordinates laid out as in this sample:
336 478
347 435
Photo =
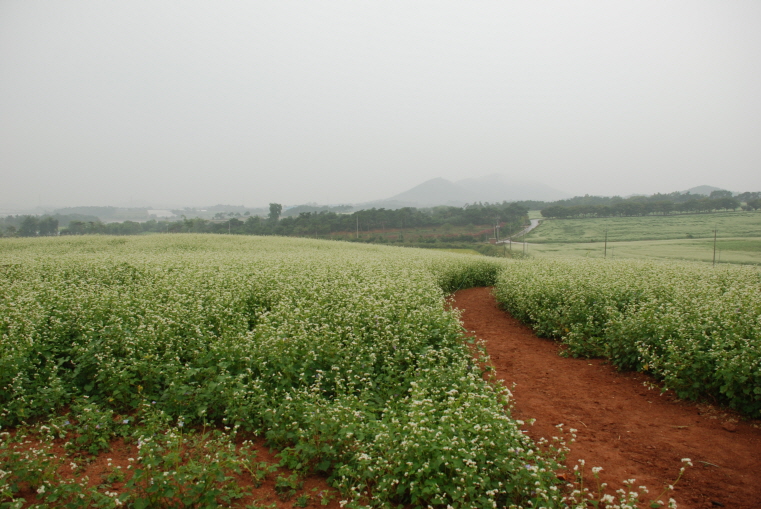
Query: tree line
326 223
657 204
323 223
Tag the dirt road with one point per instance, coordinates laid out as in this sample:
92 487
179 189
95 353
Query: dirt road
628 429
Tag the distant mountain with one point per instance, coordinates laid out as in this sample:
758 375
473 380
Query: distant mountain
491 188
437 191
704 190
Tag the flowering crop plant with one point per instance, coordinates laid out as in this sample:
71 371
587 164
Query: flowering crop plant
695 327
345 357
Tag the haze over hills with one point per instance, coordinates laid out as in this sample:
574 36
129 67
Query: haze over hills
437 191
494 188
498 188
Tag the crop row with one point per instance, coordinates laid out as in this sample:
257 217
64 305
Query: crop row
696 328
344 357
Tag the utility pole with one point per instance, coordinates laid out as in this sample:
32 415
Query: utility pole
606 244
357 224
714 248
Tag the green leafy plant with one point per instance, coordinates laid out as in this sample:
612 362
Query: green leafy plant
302 500
112 475
258 470
93 425
184 469
286 487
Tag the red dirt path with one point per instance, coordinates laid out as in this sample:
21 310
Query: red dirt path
629 430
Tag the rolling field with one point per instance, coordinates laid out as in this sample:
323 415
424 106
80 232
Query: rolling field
679 238
745 251
684 226
343 357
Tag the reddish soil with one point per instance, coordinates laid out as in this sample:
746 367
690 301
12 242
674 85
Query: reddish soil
623 426
122 455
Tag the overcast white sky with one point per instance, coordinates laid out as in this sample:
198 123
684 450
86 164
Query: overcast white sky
197 103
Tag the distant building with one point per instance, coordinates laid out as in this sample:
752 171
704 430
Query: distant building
161 214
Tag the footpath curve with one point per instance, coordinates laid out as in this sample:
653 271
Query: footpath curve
623 425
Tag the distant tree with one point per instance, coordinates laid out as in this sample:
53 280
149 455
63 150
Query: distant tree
555 211
726 202
29 226
662 207
275 210
76 228
130 228
720 194
748 196
603 210
48 226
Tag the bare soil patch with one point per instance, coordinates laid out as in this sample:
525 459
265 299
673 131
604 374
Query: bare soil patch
262 493
625 427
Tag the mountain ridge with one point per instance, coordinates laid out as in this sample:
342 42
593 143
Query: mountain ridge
494 188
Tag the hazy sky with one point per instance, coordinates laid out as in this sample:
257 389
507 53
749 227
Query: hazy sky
197 103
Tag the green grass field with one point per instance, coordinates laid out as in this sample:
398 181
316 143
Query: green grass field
745 251
687 226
